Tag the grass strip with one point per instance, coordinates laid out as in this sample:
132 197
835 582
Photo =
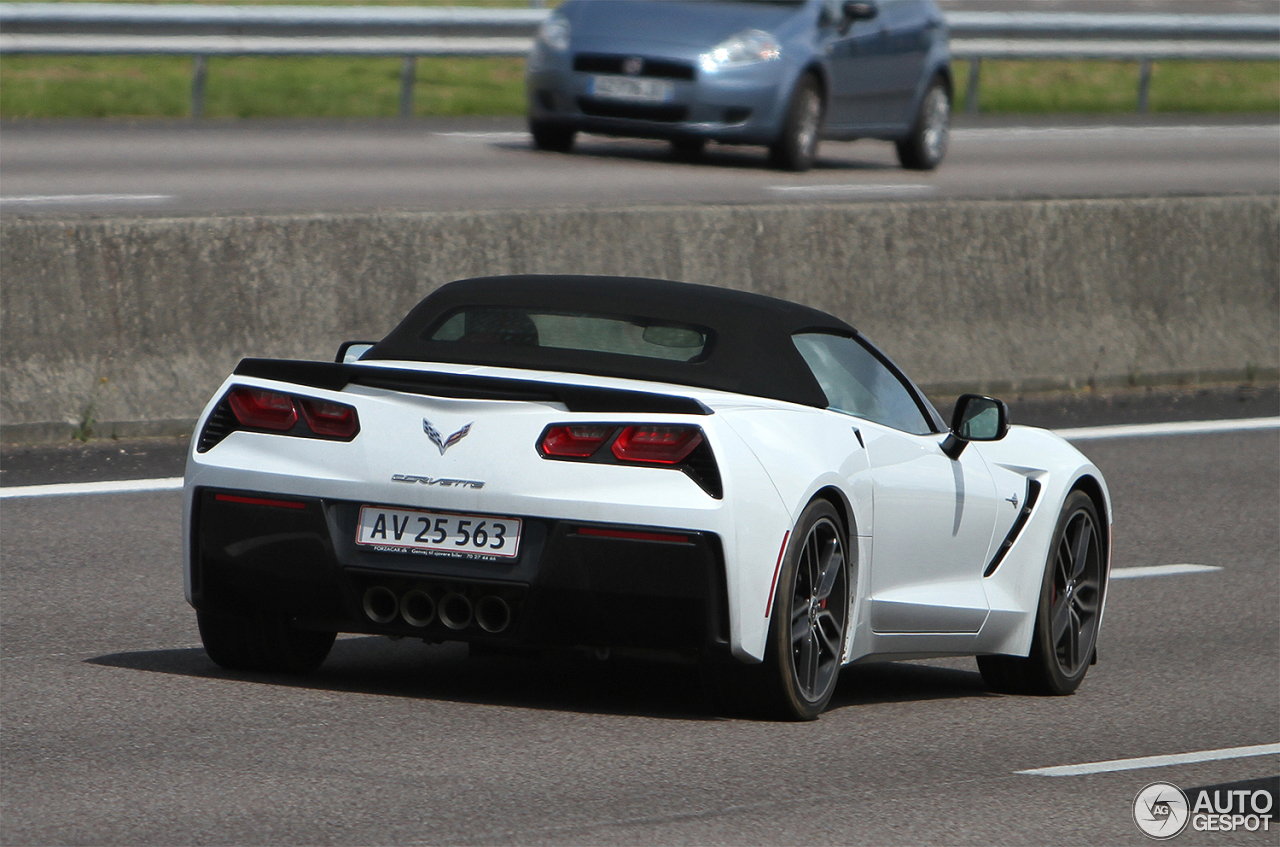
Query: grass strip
345 87
1094 86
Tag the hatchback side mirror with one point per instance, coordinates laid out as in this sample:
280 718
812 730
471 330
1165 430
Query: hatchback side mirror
858 10
351 351
976 418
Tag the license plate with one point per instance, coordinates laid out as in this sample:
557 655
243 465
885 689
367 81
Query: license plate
636 89
410 531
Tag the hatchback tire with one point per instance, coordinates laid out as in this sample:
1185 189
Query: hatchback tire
797 145
553 137
924 148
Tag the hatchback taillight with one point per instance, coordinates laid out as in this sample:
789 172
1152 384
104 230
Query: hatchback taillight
260 409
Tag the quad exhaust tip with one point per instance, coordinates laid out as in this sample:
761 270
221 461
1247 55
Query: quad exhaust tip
380 604
417 608
493 614
455 611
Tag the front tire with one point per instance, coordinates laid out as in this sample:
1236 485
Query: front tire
924 148
810 616
556 138
797 145
1070 607
258 641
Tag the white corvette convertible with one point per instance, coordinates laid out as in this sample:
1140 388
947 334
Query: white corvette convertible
561 461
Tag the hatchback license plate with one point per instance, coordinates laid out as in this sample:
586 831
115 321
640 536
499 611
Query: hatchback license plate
410 531
635 89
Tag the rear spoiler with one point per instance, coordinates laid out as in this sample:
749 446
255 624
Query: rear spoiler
334 376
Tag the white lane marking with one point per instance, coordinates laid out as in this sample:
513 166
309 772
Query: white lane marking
54 199
484 136
853 188
109 487
1156 761
1089 433
1102 132
1161 570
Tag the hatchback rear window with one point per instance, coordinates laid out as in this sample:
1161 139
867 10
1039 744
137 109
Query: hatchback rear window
501 326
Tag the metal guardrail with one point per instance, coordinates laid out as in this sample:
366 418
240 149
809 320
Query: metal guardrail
1144 38
409 32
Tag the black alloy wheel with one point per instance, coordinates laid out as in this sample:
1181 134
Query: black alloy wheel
1066 631
810 612
1074 600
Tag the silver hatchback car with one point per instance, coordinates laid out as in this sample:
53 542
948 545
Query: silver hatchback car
780 73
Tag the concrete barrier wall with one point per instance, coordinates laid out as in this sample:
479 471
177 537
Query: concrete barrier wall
132 323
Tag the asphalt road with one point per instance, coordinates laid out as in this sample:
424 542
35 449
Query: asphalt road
165 168
118 730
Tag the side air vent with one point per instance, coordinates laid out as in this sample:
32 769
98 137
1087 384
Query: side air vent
701 467
220 424
1029 502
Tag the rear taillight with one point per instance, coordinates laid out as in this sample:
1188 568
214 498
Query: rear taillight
656 445
575 441
681 447
263 410
331 420
254 407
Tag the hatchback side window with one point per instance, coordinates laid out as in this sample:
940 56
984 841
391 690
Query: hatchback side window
857 383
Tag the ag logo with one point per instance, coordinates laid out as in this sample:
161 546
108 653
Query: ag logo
1161 810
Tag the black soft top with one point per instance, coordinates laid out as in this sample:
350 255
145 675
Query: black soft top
750 351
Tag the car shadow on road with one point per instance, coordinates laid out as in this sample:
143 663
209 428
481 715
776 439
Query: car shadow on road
407 668
898 682
715 156
568 682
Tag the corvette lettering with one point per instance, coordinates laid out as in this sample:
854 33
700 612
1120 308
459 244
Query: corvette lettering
441 481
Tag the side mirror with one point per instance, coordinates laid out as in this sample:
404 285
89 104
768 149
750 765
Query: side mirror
858 10
976 418
351 351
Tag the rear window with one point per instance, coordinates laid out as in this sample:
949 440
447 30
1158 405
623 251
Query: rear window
500 326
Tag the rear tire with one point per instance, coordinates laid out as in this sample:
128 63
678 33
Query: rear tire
924 148
257 641
556 138
797 146
1065 640
810 616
